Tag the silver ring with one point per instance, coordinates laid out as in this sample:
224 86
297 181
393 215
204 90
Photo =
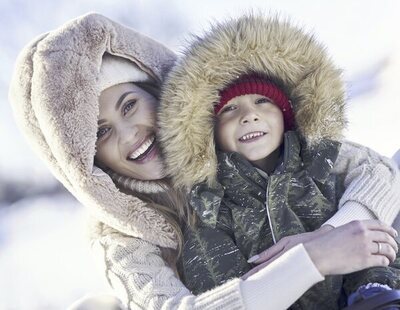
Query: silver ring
379 247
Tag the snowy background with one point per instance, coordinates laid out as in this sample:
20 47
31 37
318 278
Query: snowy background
45 261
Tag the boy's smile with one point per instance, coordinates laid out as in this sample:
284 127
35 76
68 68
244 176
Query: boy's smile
251 125
250 137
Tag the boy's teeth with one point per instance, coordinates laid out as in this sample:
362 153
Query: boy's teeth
143 148
252 135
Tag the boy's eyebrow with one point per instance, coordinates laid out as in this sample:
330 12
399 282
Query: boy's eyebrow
118 104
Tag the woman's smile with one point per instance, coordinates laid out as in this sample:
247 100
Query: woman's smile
147 152
143 149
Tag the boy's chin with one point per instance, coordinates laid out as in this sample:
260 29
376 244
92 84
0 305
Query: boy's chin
254 158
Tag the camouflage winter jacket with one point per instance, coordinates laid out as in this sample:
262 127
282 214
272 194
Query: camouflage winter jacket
247 213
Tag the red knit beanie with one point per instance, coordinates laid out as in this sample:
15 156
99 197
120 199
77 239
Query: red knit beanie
256 84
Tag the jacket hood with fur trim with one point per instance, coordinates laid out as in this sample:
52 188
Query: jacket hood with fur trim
54 94
248 44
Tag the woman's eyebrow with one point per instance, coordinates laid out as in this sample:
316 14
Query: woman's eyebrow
122 99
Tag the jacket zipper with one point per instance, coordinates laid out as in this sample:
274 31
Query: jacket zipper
267 208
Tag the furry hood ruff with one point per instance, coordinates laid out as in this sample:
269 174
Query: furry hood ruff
247 44
54 94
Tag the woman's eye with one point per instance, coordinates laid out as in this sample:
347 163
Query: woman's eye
128 106
263 100
101 132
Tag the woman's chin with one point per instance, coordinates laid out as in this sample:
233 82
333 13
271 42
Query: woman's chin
159 175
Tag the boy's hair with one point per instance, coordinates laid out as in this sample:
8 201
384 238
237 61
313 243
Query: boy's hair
255 83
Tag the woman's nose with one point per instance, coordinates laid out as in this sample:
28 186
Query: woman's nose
127 134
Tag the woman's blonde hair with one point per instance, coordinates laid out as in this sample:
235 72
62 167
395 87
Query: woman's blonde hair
173 205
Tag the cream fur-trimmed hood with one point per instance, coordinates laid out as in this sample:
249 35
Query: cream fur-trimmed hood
54 94
213 61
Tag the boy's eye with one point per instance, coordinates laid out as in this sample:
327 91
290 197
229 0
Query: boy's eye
101 132
228 108
128 106
263 100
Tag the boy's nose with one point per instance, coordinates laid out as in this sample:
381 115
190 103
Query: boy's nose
249 116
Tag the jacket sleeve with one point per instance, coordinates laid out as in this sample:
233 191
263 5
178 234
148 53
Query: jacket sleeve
142 280
372 186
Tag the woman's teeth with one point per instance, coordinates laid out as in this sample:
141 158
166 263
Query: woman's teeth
142 149
252 135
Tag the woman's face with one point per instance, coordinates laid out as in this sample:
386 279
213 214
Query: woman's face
126 132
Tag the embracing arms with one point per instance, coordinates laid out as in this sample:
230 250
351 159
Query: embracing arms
372 191
142 279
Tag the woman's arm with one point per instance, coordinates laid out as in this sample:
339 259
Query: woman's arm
372 191
372 185
142 279
348 248
278 284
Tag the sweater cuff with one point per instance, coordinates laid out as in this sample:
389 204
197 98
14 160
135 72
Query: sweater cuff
350 211
226 296
282 282
374 191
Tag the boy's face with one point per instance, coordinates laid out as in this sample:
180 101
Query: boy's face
251 125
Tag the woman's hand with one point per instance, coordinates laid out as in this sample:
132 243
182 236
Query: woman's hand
282 246
352 247
340 250
287 243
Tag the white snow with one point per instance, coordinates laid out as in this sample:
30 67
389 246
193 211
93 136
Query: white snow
45 260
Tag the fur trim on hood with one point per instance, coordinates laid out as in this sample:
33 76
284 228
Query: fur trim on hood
54 93
247 44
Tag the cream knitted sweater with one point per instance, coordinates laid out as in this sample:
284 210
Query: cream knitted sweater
54 94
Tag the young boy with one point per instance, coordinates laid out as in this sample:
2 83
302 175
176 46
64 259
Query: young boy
279 167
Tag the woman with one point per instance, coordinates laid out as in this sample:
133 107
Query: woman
55 93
